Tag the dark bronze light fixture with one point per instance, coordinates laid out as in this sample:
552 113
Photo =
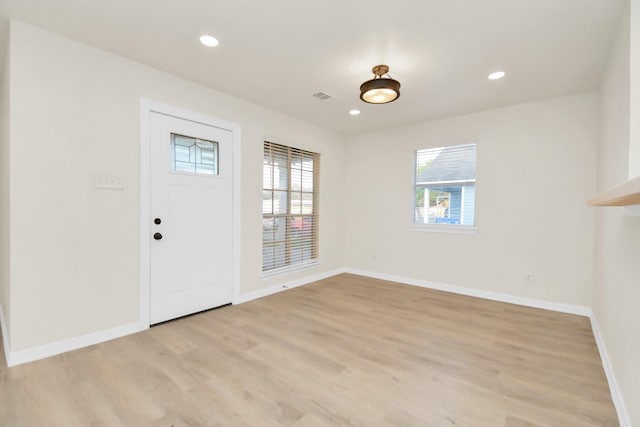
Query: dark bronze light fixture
380 90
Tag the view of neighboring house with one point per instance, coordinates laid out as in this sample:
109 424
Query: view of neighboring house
446 194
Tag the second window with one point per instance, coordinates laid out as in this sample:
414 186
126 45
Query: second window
445 185
289 206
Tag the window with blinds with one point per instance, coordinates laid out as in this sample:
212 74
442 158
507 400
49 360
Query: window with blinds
290 208
445 185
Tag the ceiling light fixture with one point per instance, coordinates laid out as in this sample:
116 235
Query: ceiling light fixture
497 75
354 112
209 41
380 90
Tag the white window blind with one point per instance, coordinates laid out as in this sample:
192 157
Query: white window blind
290 206
445 185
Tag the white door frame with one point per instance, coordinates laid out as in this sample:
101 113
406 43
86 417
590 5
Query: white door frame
146 108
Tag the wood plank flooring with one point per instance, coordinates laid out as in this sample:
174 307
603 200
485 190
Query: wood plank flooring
345 351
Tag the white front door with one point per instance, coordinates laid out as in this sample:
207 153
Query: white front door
191 217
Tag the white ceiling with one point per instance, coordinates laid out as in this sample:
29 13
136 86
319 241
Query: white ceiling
277 53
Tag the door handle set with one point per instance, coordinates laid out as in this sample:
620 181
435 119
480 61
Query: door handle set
157 236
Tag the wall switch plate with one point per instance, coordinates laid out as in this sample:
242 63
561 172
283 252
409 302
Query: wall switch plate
108 182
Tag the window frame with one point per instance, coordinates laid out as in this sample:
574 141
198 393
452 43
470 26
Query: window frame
313 239
441 228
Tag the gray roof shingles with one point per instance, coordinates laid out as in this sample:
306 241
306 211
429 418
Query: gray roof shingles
452 164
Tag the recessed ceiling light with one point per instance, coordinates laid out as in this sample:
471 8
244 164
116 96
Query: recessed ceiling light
497 75
209 41
354 112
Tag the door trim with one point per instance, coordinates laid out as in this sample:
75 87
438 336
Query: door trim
147 107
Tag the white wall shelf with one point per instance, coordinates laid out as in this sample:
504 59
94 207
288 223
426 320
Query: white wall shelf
626 194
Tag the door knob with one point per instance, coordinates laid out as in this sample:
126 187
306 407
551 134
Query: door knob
157 236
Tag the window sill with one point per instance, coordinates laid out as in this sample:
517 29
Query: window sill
444 228
290 269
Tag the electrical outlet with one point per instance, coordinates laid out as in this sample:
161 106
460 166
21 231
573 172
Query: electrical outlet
528 278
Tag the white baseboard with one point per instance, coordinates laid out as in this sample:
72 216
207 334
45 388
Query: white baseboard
242 298
5 336
494 296
40 352
616 396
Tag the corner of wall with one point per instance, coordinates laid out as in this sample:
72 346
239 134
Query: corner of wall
5 306
615 290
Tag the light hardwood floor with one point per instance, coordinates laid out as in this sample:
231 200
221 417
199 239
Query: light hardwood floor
345 351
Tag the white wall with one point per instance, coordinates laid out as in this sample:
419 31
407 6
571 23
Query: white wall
4 185
75 112
535 171
634 64
617 267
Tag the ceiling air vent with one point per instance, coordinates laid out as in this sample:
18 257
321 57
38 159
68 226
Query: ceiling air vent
322 96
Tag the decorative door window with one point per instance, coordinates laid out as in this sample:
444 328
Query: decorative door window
194 155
